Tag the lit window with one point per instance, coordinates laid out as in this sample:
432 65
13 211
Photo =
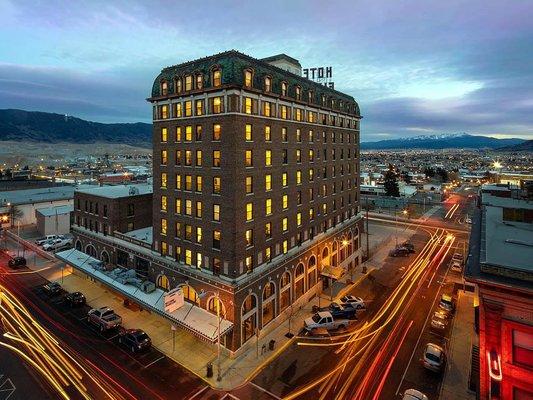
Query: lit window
188 207
164 157
311 174
216 185
284 88
268 230
284 179
216 239
268 84
249 211
188 108
216 158
268 158
179 85
285 246
268 206
198 260
249 185
298 177
188 133
178 181
298 92
178 134
311 155
163 226
285 201
199 81
199 184
268 254
284 135
266 109
248 161
298 156
178 206
248 262
188 82
298 115
164 248
249 237
248 133
164 111
198 158
248 78
199 129
268 136
163 203
188 157
268 182
216 132
198 235
217 78
324 208
217 105
283 110
247 105
311 213
298 135
188 182
164 180
188 232
188 257
179 110
178 231
299 219
199 107
164 134
216 212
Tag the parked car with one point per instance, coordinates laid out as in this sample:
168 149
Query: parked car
399 252
355 302
413 394
439 321
447 303
47 238
468 220
57 244
52 288
17 262
338 311
456 266
104 318
75 299
409 246
325 320
458 257
434 357
135 340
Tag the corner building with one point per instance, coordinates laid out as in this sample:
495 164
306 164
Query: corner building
256 186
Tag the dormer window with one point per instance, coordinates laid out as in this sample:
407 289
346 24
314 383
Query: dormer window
268 84
164 88
310 96
217 78
298 92
323 99
284 88
188 82
179 85
248 77
199 81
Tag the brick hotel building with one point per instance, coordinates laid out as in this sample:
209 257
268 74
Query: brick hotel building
255 187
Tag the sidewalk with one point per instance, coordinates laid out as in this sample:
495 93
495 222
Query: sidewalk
455 383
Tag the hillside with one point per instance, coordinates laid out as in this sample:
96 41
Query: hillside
33 126
434 142
525 146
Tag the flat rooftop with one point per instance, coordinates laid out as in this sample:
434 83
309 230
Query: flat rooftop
118 191
41 195
143 234
52 211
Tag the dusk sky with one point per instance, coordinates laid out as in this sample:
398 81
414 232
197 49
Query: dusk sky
415 67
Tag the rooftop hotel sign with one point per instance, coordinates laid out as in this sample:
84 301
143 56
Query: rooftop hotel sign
322 75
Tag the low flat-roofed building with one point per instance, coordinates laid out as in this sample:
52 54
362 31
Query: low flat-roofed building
54 220
500 263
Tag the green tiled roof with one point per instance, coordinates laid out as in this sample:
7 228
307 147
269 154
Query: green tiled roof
232 63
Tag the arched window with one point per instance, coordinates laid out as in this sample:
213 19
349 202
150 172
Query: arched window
217 77
350 244
311 272
299 281
162 282
190 294
248 77
78 245
164 88
199 81
344 245
284 88
285 291
310 96
179 85
248 317
90 250
298 92
104 256
212 306
356 239
269 302
268 84
325 256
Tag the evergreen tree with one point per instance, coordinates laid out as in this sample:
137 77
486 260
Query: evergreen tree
391 183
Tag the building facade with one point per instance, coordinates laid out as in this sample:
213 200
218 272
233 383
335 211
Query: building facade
499 263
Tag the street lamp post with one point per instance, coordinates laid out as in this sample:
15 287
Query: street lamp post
217 298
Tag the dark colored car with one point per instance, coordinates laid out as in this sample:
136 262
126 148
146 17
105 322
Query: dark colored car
409 246
337 311
17 262
135 340
52 288
75 299
399 252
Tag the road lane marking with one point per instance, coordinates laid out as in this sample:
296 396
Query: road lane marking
264 390
153 362
199 392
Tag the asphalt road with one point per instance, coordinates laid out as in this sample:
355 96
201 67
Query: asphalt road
148 375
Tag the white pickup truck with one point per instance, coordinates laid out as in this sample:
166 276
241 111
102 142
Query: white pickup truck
324 320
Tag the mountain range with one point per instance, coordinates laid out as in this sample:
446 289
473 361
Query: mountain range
444 141
524 146
34 126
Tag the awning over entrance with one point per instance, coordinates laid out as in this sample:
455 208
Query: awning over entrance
192 318
332 272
